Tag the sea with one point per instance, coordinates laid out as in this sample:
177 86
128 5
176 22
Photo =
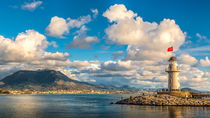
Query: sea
89 106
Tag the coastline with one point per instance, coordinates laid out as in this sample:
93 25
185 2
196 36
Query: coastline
164 100
15 92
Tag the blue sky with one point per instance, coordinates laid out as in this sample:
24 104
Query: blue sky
191 16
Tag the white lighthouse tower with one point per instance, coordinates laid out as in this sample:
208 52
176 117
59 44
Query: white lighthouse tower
173 72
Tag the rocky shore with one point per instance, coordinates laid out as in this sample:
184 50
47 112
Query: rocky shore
164 100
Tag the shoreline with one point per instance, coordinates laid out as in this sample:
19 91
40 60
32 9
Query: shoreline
75 94
164 100
34 92
167 105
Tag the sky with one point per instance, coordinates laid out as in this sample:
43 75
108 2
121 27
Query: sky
108 42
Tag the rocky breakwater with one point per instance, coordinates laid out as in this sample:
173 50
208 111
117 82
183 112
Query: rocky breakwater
164 100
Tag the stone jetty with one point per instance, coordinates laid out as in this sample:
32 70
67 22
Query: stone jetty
164 100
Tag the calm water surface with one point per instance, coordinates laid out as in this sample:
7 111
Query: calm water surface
88 106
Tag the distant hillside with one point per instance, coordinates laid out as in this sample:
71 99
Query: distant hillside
50 80
190 90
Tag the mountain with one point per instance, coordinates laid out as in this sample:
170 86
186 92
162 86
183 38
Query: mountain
50 80
44 80
190 90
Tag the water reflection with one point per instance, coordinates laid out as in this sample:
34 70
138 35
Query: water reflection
166 111
94 106
175 112
22 106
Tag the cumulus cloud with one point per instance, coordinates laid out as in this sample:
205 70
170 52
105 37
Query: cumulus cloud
82 41
116 66
79 64
125 73
207 74
28 51
59 26
31 6
143 66
78 22
84 64
6 70
145 40
147 44
27 46
146 59
194 78
55 56
69 73
205 62
147 55
118 12
187 59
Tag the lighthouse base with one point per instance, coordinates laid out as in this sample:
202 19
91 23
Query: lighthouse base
175 90
176 93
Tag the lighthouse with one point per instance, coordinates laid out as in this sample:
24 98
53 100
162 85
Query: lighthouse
173 72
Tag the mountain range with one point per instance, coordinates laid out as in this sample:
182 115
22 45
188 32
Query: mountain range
43 80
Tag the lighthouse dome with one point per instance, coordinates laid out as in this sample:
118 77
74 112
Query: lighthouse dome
173 59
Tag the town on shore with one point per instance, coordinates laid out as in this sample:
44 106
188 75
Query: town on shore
19 92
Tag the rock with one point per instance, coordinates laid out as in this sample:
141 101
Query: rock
163 100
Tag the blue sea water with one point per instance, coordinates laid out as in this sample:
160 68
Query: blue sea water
88 106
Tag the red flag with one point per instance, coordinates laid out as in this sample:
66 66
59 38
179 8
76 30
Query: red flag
170 49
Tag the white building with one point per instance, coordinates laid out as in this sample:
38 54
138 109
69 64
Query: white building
173 72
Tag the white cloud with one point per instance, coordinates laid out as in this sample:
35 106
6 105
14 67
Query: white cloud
95 12
147 56
201 37
187 59
78 22
143 66
194 78
146 59
81 40
69 74
31 6
59 26
198 49
207 74
117 66
118 12
54 44
80 64
145 40
27 51
48 64
205 62
55 56
27 46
